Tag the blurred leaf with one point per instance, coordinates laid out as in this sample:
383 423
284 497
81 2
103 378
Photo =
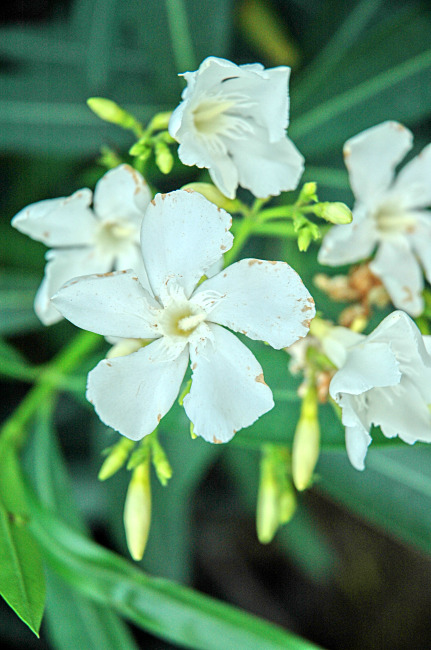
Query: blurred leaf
393 492
22 582
17 292
162 607
73 621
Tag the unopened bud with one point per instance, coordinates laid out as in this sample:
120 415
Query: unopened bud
116 458
164 158
160 121
137 510
307 193
304 239
213 194
287 503
109 111
160 462
306 443
267 509
337 213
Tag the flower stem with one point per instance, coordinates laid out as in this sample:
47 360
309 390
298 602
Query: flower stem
67 359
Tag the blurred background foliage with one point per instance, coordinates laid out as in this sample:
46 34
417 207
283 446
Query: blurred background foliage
352 569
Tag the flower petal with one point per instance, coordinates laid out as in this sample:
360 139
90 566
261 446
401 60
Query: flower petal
371 158
121 193
112 304
349 243
413 181
131 394
228 390
368 364
132 259
399 270
59 222
421 240
265 168
182 235
63 265
264 300
357 442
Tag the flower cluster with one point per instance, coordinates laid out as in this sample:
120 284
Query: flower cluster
389 213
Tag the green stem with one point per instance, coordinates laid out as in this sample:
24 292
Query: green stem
275 230
278 212
181 38
243 232
68 358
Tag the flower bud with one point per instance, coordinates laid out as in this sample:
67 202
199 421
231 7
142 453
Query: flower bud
304 239
137 510
287 503
109 111
160 461
307 193
160 121
213 194
306 443
116 458
337 213
164 158
267 509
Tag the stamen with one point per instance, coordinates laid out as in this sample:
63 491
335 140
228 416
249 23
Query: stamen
189 323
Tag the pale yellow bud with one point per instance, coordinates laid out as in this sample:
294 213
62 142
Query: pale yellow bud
308 193
267 509
337 213
213 194
116 458
109 111
287 503
160 462
160 121
304 239
306 443
164 158
137 510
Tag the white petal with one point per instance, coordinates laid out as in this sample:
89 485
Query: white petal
59 222
357 442
427 343
266 168
349 243
63 265
335 345
413 181
420 238
367 365
399 270
228 390
264 300
112 304
182 235
401 411
224 175
371 158
132 259
132 393
121 193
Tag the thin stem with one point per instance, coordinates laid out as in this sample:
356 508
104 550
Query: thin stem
68 358
181 39
285 230
245 229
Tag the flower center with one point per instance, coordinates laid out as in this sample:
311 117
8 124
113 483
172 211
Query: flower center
180 317
222 114
392 219
114 234
210 115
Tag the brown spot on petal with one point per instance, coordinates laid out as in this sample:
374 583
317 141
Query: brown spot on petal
105 275
135 278
189 190
252 262
217 441
153 202
109 364
306 323
272 262
46 233
346 152
223 248
260 379
194 366
409 294
159 417
306 308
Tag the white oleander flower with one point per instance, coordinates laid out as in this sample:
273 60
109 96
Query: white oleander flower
182 236
86 240
389 213
233 121
384 379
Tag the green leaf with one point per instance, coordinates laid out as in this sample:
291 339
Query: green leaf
17 292
22 582
160 606
393 492
73 621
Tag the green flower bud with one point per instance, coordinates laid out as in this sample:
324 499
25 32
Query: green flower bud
109 111
306 443
160 462
213 194
304 238
267 509
137 510
337 213
117 456
164 157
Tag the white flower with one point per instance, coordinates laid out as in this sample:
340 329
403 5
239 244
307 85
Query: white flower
389 213
86 240
384 379
182 235
233 121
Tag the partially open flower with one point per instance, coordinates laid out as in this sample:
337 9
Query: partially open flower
86 240
183 235
384 379
389 213
233 121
